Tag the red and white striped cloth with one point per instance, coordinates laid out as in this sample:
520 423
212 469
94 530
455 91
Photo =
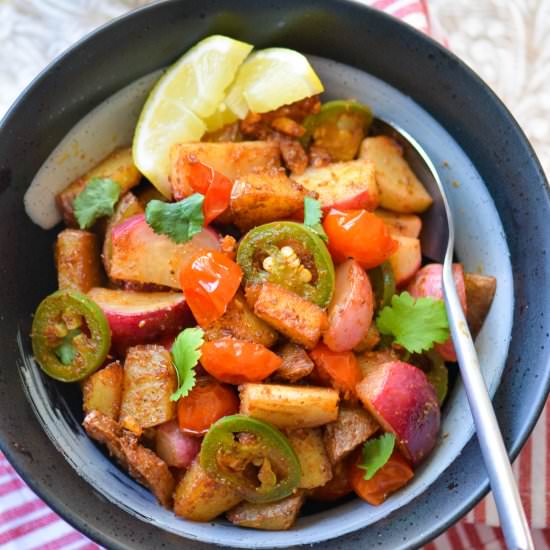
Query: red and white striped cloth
27 523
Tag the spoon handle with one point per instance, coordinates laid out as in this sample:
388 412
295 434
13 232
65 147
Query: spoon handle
503 485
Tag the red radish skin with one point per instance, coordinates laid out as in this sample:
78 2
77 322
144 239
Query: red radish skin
402 400
141 317
406 260
351 310
364 199
141 255
429 282
174 447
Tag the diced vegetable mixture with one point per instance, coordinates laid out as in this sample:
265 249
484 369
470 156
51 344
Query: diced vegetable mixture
255 327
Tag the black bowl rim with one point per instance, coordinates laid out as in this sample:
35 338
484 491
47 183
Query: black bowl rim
514 448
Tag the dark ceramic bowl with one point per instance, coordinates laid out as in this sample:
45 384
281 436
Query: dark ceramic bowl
501 174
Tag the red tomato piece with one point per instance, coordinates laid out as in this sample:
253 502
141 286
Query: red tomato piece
360 235
337 369
396 473
215 187
209 281
207 402
237 362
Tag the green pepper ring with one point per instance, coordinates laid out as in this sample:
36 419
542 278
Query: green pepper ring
328 111
97 324
277 449
383 282
271 233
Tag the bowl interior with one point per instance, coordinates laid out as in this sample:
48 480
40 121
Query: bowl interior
58 410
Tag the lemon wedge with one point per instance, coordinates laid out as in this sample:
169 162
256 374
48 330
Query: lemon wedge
271 78
190 90
220 118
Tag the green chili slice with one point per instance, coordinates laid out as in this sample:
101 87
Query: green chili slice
252 456
339 127
70 336
383 283
309 273
436 371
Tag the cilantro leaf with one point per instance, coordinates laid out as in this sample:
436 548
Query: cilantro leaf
415 324
376 452
312 217
185 354
179 220
97 199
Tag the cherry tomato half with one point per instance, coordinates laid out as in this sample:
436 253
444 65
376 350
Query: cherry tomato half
360 235
337 369
236 361
396 473
215 187
209 281
207 402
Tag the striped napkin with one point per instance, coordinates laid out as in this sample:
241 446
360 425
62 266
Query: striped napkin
27 523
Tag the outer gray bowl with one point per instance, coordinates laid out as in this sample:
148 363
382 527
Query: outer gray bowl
346 32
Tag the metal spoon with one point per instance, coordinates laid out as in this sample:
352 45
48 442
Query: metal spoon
437 237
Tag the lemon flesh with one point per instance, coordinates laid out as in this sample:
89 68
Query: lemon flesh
190 90
271 78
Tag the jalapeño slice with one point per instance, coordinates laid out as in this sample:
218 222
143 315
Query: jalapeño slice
291 255
252 456
383 284
70 336
339 127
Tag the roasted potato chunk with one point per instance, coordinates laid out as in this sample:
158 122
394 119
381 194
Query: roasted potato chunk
314 462
264 197
102 391
289 406
118 166
400 189
230 159
480 291
240 322
290 314
142 464
127 207
200 498
296 363
271 516
149 381
77 260
353 426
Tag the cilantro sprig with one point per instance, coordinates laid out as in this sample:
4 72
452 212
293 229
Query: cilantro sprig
186 354
178 220
313 216
415 324
96 200
376 452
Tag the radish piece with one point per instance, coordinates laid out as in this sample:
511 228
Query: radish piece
350 312
406 260
402 400
174 447
346 185
141 317
429 282
141 255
